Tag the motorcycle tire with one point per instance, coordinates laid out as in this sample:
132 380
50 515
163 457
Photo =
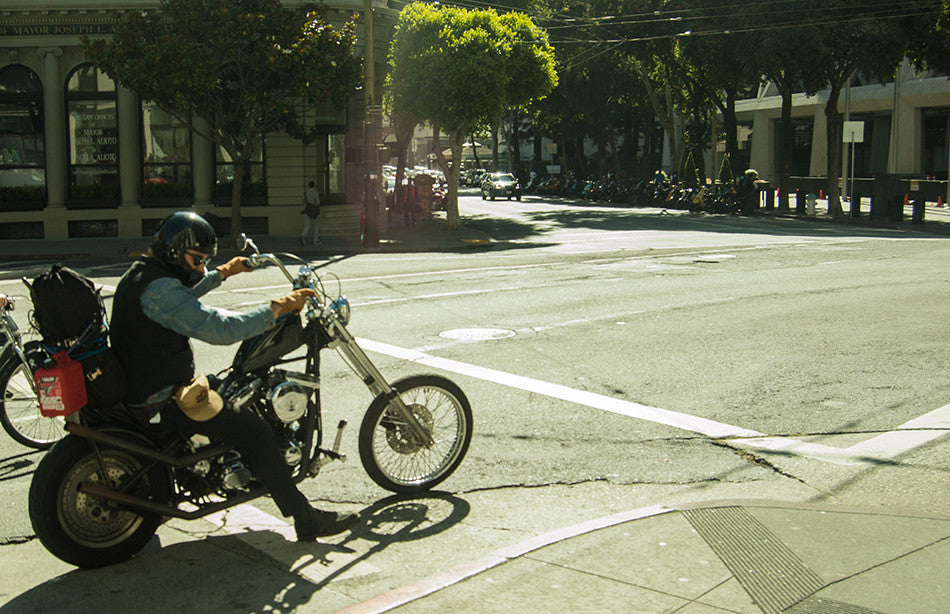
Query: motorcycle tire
82 529
20 409
389 451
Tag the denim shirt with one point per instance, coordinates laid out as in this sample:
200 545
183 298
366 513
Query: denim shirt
175 306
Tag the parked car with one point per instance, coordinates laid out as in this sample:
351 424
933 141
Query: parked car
501 184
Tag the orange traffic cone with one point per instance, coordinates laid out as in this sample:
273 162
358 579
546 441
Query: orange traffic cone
906 200
940 201
821 193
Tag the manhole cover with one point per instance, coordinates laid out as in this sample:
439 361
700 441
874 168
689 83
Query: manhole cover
714 258
477 334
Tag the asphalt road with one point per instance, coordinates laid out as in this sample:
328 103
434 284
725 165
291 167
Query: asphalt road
614 359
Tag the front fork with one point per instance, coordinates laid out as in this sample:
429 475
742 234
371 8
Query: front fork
345 343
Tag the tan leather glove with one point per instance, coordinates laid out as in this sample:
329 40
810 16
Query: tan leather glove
235 265
292 302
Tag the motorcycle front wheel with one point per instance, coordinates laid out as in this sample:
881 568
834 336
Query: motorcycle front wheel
392 453
20 409
82 529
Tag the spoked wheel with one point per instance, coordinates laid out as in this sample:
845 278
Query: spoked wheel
83 529
20 408
393 454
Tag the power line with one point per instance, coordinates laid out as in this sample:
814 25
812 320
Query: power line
815 22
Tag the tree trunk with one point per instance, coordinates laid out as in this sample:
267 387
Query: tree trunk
239 166
452 217
474 150
514 144
456 140
399 194
601 143
665 113
731 126
615 155
834 128
494 146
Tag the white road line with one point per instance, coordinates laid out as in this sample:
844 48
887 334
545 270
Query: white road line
314 561
590 399
886 446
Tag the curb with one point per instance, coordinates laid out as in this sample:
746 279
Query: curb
436 582
432 584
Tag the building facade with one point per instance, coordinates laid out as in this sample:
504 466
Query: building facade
81 156
902 128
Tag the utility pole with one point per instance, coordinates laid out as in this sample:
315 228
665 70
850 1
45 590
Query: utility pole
371 125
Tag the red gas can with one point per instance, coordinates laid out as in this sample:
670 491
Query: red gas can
61 388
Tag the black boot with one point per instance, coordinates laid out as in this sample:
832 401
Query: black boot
316 523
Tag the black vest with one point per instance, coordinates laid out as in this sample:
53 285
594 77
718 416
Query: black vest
153 356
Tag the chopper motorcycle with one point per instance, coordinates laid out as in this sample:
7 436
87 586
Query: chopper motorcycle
100 493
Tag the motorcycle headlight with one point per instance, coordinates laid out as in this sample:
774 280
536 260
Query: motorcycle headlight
341 307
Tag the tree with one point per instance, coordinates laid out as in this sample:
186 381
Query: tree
459 69
872 45
791 59
724 63
233 70
928 35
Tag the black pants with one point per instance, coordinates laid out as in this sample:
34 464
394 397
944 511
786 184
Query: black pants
255 441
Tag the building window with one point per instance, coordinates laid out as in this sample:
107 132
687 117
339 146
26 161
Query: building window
166 155
254 187
22 156
336 179
935 143
93 137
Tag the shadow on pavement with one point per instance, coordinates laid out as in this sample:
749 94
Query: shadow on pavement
225 573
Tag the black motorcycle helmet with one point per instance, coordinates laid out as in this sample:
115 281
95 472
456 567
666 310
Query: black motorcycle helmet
177 233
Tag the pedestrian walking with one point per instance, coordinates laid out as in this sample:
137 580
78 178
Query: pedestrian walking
311 215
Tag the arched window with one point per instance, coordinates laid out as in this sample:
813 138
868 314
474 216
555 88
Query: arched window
93 137
166 155
22 157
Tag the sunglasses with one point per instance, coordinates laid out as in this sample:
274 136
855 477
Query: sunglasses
199 259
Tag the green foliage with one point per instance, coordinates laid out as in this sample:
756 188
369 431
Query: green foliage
929 36
167 190
460 69
232 69
22 193
252 188
244 66
93 191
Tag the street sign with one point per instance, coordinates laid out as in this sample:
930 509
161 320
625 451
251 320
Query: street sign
853 132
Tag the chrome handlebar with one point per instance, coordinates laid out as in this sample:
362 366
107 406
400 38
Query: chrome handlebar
322 303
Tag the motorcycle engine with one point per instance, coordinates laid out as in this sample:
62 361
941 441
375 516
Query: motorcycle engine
281 394
289 400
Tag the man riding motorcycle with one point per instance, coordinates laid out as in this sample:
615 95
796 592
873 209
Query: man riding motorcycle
155 311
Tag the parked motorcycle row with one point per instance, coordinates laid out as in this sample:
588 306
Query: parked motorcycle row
736 197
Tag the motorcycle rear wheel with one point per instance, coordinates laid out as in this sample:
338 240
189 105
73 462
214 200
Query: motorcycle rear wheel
391 453
20 408
82 529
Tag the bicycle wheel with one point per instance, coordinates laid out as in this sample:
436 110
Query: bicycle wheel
20 409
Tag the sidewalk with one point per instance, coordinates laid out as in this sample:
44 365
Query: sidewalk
428 235
722 556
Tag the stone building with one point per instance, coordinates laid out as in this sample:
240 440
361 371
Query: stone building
81 156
